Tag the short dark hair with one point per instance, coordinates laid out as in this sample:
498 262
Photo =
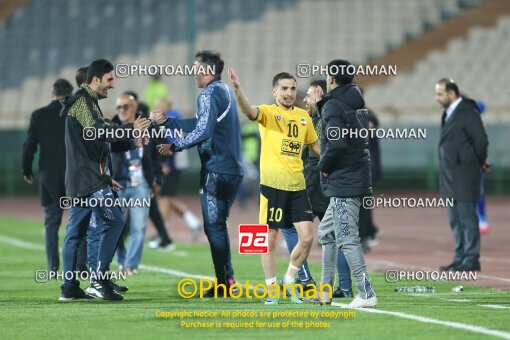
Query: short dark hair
212 59
81 75
449 85
98 68
132 94
321 83
282 75
337 69
62 88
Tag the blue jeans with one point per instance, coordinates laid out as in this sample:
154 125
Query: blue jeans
52 219
137 226
344 273
217 194
102 226
480 206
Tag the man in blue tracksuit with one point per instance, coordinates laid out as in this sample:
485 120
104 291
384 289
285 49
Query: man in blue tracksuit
216 132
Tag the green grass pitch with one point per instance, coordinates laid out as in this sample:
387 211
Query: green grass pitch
31 310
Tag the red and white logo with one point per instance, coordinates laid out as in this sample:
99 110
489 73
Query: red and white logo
253 239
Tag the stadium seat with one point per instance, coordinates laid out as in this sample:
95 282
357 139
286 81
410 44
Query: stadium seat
250 35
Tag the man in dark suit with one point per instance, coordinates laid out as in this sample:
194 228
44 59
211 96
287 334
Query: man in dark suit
462 153
46 129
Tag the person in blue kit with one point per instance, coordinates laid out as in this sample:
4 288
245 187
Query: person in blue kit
483 221
216 132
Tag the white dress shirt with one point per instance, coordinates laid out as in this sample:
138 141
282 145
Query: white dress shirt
452 108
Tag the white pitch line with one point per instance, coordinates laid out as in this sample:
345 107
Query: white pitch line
21 243
34 246
173 272
459 300
495 306
407 266
475 329
458 325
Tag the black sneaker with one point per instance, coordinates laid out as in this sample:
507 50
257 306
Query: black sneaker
308 284
474 267
339 293
157 244
103 289
449 267
119 289
74 292
220 292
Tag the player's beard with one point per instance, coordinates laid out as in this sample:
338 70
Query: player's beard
282 103
102 92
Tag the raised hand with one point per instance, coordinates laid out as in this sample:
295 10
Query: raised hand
158 116
234 79
317 94
141 123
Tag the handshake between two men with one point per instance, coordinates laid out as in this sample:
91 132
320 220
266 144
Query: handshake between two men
158 117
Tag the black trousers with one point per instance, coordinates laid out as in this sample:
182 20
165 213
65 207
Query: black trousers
217 194
366 224
156 218
466 234
52 220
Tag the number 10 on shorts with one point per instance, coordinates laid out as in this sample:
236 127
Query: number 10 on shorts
253 239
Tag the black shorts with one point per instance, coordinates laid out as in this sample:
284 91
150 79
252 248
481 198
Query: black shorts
170 184
280 208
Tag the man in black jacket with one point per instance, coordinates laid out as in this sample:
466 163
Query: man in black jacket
47 130
345 179
320 202
88 176
462 153
368 232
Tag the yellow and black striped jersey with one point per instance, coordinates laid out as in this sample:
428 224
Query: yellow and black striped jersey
283 134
